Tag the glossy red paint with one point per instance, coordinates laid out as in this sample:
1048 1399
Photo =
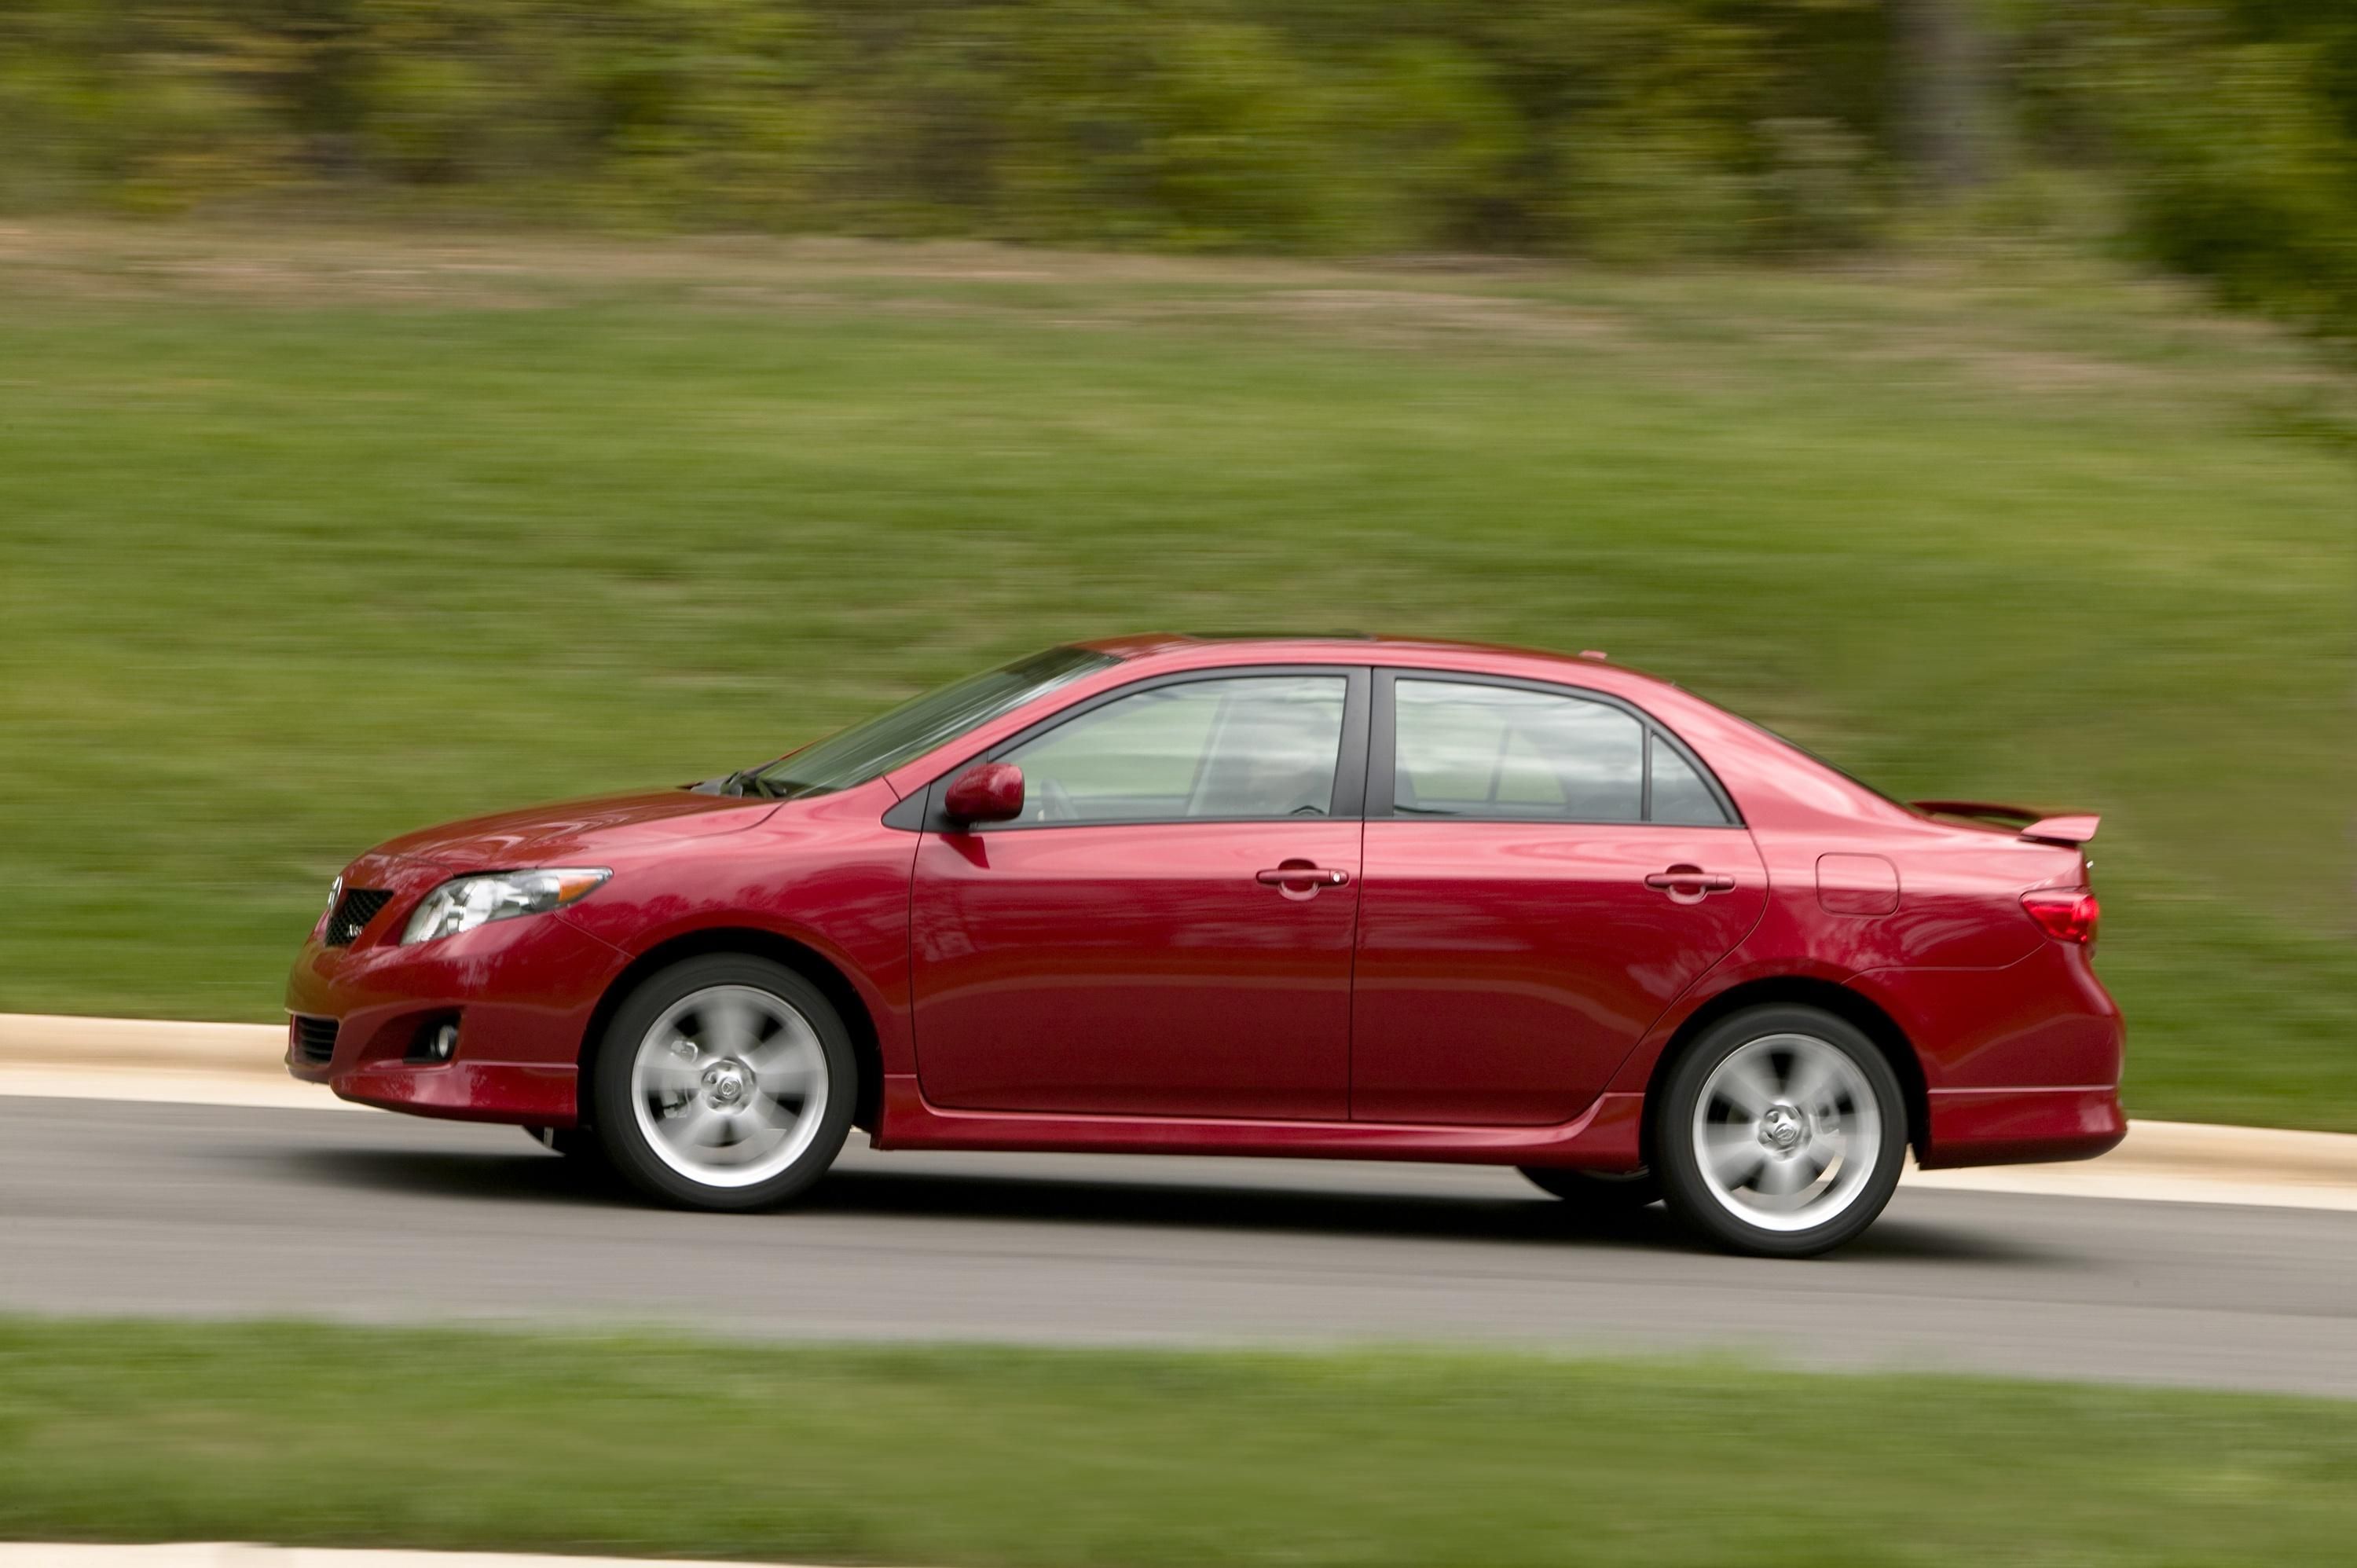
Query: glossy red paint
1472 990
2021 1126
1606 1135
1506 968
986 792
2072 830
1137 969
1852 884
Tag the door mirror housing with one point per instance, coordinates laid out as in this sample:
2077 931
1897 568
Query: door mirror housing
986 792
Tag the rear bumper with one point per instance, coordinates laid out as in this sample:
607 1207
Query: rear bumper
2019 1126
2020 1064
522 992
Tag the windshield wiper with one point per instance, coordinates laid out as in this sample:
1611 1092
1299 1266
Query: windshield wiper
743 781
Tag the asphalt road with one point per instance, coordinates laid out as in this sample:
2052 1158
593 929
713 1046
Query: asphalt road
146 1210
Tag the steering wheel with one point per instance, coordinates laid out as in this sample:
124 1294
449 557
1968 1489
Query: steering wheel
1056 803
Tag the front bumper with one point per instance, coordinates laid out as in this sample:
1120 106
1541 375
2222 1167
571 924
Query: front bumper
522 992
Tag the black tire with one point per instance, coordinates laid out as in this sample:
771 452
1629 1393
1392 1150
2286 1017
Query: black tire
1596 1191
1727 1211
617 1118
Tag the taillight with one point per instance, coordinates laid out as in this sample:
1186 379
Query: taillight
2066 914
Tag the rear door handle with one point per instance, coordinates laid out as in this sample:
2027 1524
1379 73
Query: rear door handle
1692 880
1302 875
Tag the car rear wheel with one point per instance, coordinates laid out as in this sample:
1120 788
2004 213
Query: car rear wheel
1601 1191
726 1081
1781 1133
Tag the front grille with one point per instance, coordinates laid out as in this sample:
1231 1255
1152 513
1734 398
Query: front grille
314 1039
353 913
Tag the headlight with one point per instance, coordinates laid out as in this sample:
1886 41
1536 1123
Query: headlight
472 901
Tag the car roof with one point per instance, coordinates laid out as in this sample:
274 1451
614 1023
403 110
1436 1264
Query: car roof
1181 650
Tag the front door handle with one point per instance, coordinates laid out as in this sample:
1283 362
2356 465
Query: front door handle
1300 879
1690 884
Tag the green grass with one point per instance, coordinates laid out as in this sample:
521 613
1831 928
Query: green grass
306 540
967 1458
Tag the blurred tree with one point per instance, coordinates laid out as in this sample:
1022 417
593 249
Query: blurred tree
1626 130
1946 114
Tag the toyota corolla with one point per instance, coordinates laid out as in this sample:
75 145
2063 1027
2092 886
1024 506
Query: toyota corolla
1354 898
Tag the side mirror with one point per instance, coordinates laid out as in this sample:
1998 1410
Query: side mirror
986 792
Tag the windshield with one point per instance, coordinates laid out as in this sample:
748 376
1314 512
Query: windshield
869 750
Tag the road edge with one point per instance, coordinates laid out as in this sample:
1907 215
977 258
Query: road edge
167 1060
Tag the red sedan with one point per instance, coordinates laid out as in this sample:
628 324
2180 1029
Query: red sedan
1365 899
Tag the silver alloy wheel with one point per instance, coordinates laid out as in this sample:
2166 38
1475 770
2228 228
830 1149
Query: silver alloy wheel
729 1085
1787 1132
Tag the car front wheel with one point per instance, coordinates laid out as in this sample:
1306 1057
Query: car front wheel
726 1081
1781 1133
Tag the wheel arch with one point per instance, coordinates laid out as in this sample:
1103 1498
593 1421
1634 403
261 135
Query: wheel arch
1827 995
803 958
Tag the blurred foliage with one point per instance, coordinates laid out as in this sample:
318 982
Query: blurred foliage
1635 126
2236 123
1608 128
1631 130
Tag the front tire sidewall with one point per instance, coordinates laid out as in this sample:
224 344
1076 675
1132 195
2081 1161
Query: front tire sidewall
617 1127
1687 1188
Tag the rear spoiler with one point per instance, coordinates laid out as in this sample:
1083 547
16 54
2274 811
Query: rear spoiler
2037 827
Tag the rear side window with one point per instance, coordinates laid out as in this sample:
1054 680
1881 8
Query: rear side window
1679 794
1504 753
1464 750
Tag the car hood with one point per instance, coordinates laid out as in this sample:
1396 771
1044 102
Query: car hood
578 830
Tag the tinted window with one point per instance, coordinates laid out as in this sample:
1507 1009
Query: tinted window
869 750
1464 750
1246 747
1679 793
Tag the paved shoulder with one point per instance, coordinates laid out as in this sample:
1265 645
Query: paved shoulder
117 1208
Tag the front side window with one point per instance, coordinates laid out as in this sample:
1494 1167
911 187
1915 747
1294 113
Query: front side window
1500 752
872 749
1238 748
